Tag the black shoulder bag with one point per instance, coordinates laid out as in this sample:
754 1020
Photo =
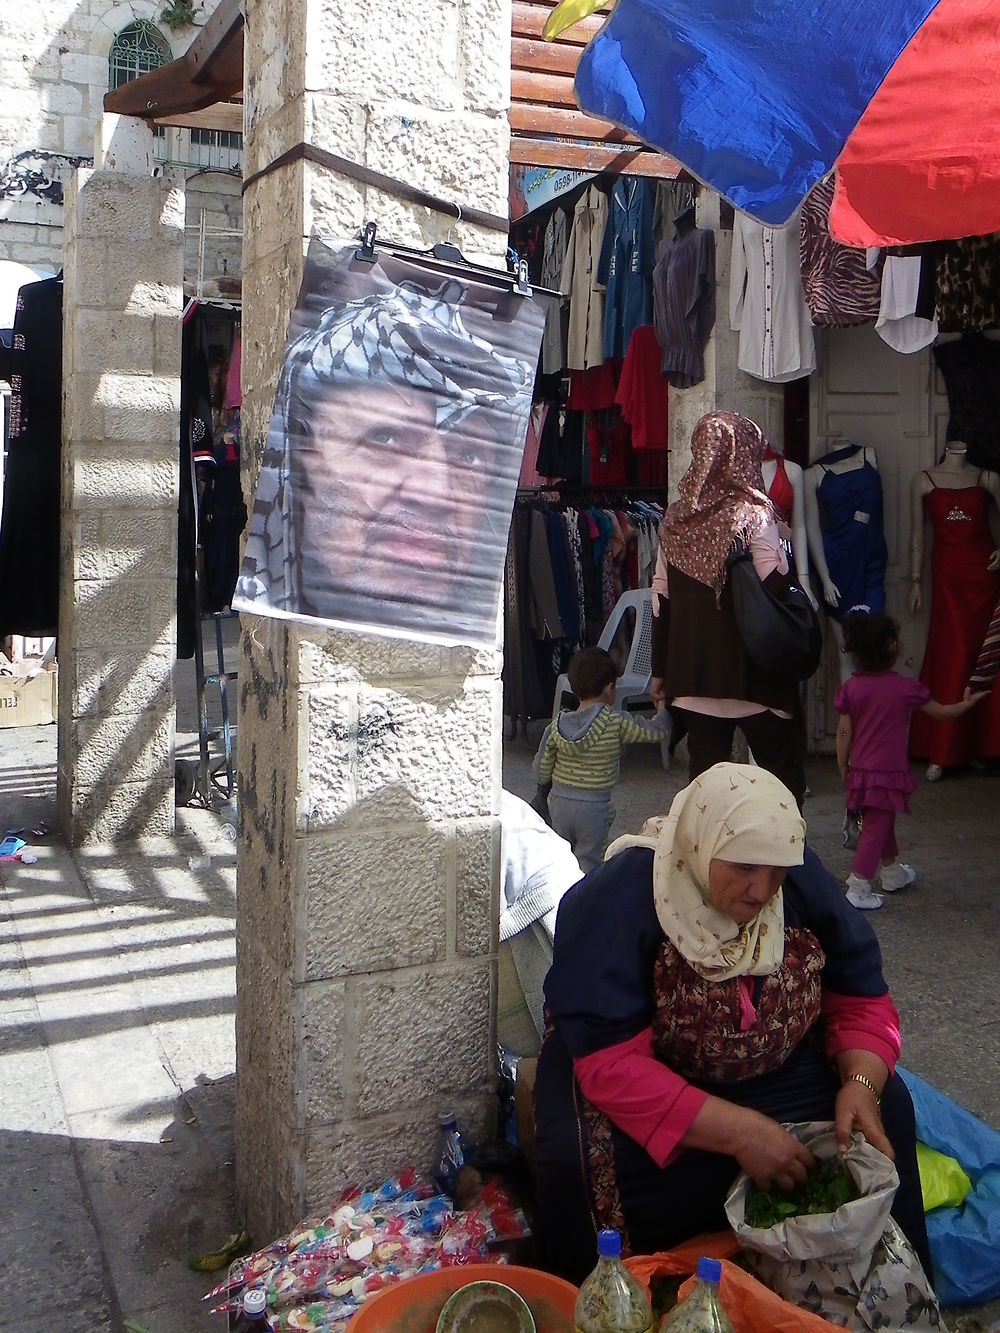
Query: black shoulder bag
781 634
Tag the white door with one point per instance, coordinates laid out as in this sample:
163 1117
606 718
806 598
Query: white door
865 393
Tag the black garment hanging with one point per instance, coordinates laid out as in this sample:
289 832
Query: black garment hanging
971 370
29 528
222 518
196 436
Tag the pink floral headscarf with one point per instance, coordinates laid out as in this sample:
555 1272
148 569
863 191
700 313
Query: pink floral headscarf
722 498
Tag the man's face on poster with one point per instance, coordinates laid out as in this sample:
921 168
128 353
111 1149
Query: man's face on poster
392 502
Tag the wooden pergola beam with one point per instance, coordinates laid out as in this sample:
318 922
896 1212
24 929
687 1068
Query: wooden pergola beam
210 71
222 116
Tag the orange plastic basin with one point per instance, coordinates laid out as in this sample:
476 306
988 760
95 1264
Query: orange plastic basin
413 1305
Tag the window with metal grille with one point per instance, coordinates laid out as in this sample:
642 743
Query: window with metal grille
137 49
218 138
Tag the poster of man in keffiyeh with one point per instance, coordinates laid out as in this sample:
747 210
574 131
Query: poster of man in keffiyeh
393 451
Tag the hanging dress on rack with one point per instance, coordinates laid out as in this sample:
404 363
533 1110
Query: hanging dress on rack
963 595
850 513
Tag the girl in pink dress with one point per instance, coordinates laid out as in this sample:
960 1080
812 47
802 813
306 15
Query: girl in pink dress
874 708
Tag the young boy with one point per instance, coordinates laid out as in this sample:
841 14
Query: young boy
579 755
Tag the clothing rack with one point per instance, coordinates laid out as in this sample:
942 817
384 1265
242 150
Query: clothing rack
571 554
592 493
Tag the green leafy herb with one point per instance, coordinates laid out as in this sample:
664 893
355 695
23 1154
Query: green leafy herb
825 1188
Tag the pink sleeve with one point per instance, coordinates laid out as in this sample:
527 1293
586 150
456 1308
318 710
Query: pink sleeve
861 1022
840 700
660 579
766 552
918 694
645 1099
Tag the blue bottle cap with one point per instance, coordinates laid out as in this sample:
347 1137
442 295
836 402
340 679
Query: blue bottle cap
609 1244
710 1270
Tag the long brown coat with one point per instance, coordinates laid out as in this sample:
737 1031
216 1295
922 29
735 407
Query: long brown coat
585 344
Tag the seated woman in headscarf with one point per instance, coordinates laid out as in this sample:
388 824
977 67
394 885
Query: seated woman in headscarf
709 981
699 663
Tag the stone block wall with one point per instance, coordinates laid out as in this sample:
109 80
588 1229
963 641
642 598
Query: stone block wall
118 595
54 73
369 768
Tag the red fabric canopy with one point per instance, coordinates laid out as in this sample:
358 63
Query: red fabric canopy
923 163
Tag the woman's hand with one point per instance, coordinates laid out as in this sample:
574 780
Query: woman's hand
994 562
915 599
830 591
856 1107
857 1110
657 692
768 1153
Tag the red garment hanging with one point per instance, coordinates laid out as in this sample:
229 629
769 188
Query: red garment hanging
780 492
593 390
642 390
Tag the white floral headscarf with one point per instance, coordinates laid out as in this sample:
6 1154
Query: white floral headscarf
731 812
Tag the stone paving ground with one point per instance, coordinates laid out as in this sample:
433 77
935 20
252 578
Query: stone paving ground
117 1046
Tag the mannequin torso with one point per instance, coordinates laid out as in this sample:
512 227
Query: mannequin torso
841 461
954 472
843 495
777 470
956 501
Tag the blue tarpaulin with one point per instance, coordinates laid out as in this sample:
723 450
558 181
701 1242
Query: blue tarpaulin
965 1241
755 97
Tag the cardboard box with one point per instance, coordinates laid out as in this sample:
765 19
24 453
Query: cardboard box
29 701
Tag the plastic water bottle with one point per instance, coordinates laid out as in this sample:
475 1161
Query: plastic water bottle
449 1156
253 1312
611 1300
701 1310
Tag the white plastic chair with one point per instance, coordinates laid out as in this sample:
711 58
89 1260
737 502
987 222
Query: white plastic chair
632 686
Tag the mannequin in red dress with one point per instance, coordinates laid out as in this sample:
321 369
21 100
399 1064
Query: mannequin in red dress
955 498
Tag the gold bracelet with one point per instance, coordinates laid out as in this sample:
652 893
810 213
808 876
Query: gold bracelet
866 1082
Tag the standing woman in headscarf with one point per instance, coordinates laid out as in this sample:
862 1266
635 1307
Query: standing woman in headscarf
709 983
699 662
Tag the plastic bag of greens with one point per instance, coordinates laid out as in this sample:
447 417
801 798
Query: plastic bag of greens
852 1265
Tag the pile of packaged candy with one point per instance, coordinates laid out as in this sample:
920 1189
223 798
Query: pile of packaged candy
317 1276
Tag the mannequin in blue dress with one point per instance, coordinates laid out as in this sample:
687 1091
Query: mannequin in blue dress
843 492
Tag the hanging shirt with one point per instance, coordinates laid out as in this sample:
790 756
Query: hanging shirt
594 389
642 391
585 337
897 323
766 303
607 452
557 319
626 264
968 273
684 304
840 289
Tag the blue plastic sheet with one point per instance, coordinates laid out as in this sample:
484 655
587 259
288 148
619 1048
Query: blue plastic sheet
965 1241
755 97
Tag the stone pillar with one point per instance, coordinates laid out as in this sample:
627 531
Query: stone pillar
123 274
725 386
369 768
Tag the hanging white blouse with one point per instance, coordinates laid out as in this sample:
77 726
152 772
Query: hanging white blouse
767 305
898 324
